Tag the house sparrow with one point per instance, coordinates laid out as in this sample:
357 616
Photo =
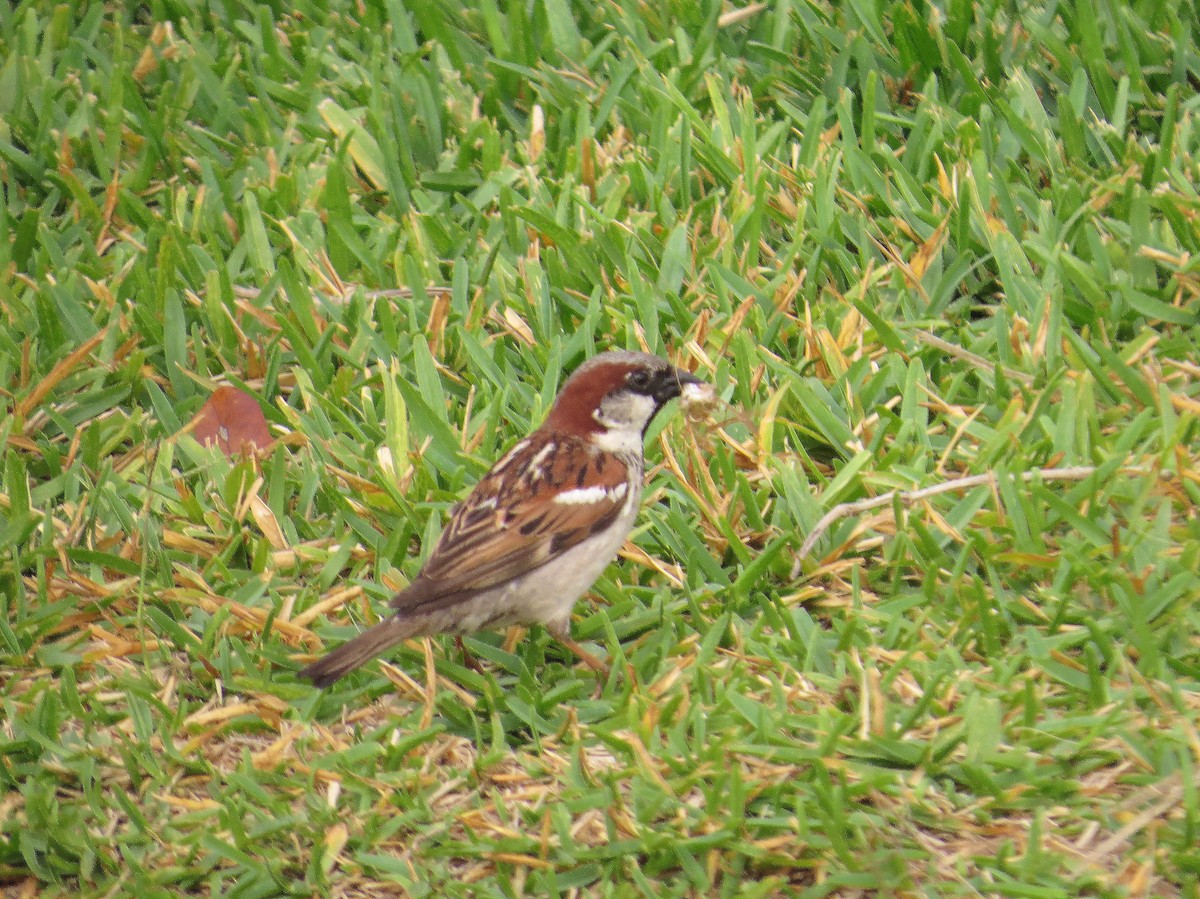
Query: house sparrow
536 532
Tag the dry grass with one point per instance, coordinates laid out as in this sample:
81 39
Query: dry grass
914 614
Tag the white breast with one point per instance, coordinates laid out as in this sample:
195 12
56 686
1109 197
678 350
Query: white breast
547 595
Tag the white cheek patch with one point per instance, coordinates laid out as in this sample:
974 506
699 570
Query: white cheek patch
584 495
625 410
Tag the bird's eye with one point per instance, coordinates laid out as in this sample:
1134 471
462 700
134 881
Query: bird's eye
638 379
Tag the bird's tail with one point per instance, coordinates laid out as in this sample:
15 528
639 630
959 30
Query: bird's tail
356 652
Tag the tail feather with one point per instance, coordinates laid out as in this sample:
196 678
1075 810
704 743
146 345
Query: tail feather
356 652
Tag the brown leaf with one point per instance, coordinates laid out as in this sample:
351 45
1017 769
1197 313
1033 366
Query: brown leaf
233 421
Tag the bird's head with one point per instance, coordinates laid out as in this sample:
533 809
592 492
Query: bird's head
612 398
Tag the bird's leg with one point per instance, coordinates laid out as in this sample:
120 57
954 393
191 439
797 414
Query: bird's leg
468 657
563 636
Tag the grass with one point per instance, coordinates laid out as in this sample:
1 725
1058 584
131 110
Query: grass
908 242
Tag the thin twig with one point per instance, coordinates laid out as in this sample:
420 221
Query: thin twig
841 510
975 359
404 293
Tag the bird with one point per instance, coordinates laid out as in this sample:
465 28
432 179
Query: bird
539 528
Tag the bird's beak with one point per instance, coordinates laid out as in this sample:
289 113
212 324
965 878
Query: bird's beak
672 382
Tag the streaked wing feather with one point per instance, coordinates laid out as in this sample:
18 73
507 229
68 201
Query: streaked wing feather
511 523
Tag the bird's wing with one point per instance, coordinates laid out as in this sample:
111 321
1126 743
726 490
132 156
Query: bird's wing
547 495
